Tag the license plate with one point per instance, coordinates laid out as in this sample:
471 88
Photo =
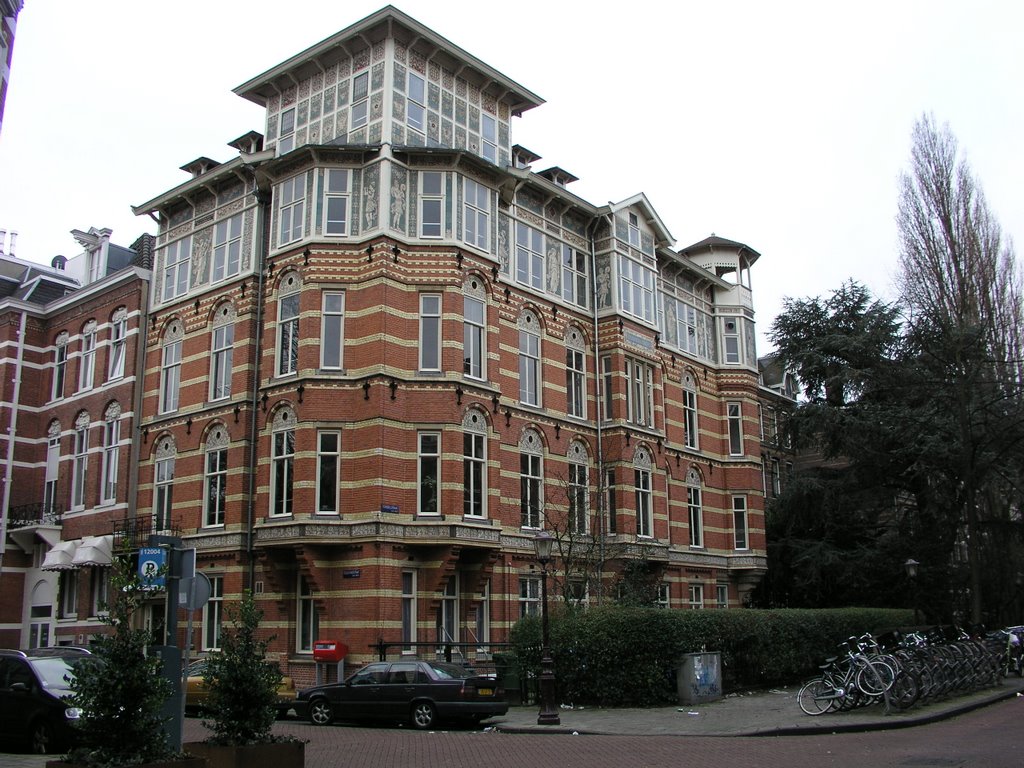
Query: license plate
485 691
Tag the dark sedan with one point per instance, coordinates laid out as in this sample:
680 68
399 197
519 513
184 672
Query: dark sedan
420 693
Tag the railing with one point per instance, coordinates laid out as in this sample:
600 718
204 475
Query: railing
466 653
34 514
134 532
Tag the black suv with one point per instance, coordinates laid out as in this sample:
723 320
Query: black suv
34 686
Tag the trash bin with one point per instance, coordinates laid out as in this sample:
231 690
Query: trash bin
506 666
699 678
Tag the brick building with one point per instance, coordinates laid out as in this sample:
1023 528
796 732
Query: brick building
382 352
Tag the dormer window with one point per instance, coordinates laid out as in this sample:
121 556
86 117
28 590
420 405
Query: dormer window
360 100
634 230
287 141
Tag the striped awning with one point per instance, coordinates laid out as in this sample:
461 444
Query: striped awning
94 550
61 556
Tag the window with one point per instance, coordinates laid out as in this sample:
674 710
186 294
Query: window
118 337
574 276
473 335
291 209
176 268
722 595
609 480
222 349
216 484
213 614
431 204
99 588
530 480
360 100
474 475
739 521
81 463
430 332
477 214
636 289
328 457
642 489
731 340
336 199
640 394
686 329
68 586
693 503
575 379
163 493
288 327
52 470
735 415
60 367
776 478
529 596
429 473
488 137
415 106
332 330
448 612
408 611
308 624
87 362
696 596
529 256
483 616
111 455
634 230
227 248
39 626
283 472
286 143
579 492
529 362
607 379
691 430
662 599
170 374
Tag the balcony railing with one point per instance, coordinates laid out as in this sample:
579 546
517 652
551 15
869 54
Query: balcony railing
25 515
134 532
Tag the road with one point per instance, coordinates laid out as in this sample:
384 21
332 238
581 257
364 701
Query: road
990 737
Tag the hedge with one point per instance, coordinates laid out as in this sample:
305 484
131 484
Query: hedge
618 656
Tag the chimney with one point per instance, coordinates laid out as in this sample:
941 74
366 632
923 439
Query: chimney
10 245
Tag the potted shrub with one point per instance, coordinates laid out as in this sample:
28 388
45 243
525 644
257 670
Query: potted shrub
121 695
242 703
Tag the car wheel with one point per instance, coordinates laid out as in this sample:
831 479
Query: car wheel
321 712
424 714
41 738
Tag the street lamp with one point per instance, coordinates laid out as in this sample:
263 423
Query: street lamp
542 544
911 568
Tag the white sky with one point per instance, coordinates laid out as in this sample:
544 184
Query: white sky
783 125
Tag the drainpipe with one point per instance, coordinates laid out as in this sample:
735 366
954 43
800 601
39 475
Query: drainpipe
12 433
263 217
599 400
140 378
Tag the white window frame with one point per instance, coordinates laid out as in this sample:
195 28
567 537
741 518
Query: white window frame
578 487
360 110
695 509
87 360
282 472
530 260
99 590
118 346
227 248
576 383
640 393
575 276
213 615
607 387
332 331
531 490
474 474
477 218
691 422
636 289
432 205
80 467
734 416
111 457
291 209
529 596
221 360
286 137
163 492
431 307
416 103
696 597
447 626
741 533
731 351
337 191
529 368
307 624
409 611
489 137
722 595
428 474
177 261
474 338
215 487
170 376
289 311
633 227
52 474
328 472
60 369
68 582
644 502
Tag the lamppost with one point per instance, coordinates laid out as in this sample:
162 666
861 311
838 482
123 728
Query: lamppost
542 544
911 568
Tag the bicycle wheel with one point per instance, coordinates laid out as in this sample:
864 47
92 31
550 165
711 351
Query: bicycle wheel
905 691
875 677
816 697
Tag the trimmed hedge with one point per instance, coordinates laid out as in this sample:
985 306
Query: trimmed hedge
618 656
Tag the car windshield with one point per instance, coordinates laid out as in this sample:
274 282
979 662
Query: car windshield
58 672
444 671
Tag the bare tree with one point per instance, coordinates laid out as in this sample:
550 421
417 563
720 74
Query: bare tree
961 290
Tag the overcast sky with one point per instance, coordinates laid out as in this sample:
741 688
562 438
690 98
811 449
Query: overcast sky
783 125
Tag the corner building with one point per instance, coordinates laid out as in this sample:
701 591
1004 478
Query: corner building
384 352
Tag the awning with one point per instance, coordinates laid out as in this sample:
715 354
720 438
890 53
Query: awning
61 556
94 550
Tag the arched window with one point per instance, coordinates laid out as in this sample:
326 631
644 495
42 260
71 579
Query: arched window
163 483
578 488
691 425
170 366
222 342
643 492
216 476
529 359
282 472
693 503
575 373
289 294
474 329
111 453
531 479
474 464
81 461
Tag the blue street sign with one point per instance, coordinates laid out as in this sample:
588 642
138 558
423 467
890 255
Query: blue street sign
152 567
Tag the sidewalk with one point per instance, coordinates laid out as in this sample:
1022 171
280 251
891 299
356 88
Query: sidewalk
760 713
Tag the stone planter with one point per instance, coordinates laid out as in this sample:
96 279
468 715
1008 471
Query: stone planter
279 754
181 762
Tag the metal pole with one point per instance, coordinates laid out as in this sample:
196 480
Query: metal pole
548 712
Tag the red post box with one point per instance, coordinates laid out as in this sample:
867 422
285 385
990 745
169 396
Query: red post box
329 650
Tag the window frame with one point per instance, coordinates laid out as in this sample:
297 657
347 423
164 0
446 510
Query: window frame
474 475
636 289
734 416
575 276
111 459
118 348
474 338
307 618
741 532
290 195
477 214
342 194
695 514
282 473
578 487
529 596
60 369
696 597
428 473
691 420
289 311
428 221
80 467
644 494
409 611
163 492
530 362
87 360
213 615
215 478
640 393
170 375
286 136
226 261
328 472
531 490
419 122
222 342
332 322
530 261
430 332
489 137
177 260
359 114
576 383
